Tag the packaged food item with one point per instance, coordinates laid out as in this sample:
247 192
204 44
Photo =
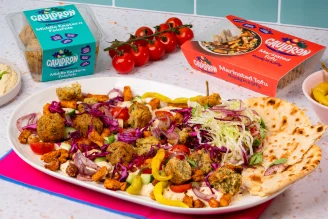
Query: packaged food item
57 42
261 59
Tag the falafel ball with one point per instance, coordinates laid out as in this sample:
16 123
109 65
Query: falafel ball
120 151
84 121
203 159
140 115
226 180
51 127
179 169
144 144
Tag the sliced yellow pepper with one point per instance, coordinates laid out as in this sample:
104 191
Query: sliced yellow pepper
166 99
158 193
136 185
161 97
320 93
155 165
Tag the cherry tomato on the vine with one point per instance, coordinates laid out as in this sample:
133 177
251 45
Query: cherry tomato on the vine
162 27
123 48
169 41
174 22
184 35
156 50
144 31
141 55
123 64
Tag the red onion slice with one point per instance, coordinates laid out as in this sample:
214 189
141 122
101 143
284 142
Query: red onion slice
117 91
199 194
277 168
31 118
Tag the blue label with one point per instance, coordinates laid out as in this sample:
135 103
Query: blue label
238 20
249 25
64 37
265 30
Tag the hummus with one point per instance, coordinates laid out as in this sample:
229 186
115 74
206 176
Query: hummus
8 79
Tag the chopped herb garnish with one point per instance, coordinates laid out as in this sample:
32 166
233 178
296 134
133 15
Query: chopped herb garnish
256 142
192 163
2 74
262 124
256 158
279 161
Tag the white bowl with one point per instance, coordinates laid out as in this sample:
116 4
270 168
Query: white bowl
308 84
15 90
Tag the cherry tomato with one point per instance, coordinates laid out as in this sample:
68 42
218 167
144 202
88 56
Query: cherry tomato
163 115
162 27
141 56
123 48
144 31
156 50
146 170
181 148
169 41
180 188
123 64
42 147
174 22
120 113
184 35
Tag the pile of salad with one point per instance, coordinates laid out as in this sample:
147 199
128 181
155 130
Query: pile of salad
184 152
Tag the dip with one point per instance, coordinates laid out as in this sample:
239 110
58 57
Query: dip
8 79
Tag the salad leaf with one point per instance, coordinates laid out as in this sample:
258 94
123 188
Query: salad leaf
256 142
256 158
192 163
279 161
262 124
263 133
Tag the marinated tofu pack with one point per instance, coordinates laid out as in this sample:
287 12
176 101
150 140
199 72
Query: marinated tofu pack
58 42
261 59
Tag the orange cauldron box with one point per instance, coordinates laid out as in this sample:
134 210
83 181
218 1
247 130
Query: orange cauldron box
261 59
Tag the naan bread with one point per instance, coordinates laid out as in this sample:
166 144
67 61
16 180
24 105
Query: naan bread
290 145
258 184
277 114
291 136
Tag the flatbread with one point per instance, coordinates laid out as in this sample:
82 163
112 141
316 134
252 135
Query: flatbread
278 115
290 145
258 184
289 135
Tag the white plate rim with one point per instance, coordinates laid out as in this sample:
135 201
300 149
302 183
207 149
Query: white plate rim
121 195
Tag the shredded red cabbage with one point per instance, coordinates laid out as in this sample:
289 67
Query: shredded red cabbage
112 124
130 135
186 112
114 101
55 107
94 155
122 171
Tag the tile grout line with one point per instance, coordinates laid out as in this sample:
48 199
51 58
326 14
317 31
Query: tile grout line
195 7
279 11
184 14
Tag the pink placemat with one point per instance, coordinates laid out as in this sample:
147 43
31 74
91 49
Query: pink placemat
35 179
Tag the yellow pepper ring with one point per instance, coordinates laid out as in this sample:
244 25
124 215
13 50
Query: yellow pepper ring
155 165
166 99
158 193
320 93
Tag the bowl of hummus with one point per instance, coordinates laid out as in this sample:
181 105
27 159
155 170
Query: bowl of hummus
10 81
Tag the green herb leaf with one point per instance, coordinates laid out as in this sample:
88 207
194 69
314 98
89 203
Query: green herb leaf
279 161
207 106
256 158
256 142
2 74
263 133
193 111
192 163
262 124
110 139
